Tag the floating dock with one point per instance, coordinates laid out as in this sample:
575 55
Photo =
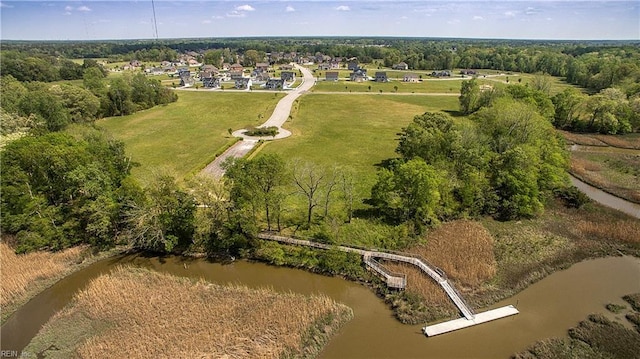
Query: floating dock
461 323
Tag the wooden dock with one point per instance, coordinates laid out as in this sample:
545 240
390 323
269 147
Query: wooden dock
461 323
399 281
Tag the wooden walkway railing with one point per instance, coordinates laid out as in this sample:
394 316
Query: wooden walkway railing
393 280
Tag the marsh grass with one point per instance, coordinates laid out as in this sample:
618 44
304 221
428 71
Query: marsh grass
448 247
616 173
631 140
138 313
25 274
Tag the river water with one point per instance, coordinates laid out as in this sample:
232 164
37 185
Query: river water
548 308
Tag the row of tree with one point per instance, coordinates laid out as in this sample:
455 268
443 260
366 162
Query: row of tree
46 107
609 111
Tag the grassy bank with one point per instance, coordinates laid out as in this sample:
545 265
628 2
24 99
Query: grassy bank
143 314
26 275
184 136
595 337
355 132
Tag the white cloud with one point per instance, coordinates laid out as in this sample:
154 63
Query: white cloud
68 8
510 14
477 17
531 11
83 8
343 8
245 8
206 21
236 13
217 17
289 8
453 22
6 6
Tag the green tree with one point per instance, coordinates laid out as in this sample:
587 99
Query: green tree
469 96
165 220
256 182
568 105
411 191
83 106
46 107
59 191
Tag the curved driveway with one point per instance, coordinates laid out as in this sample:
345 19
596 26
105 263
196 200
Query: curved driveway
278 118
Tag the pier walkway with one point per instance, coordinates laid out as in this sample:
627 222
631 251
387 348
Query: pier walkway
399 281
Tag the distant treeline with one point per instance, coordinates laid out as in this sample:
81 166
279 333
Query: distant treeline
595 65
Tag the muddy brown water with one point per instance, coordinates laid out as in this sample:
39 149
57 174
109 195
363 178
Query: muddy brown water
607 199
548 308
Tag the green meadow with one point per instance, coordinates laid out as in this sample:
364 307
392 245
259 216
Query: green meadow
184 136
353 132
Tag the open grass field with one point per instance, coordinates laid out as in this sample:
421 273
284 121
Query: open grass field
183 137
26 274
355 132
429 84
136 313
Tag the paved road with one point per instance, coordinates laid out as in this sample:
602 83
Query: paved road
278 118
240 149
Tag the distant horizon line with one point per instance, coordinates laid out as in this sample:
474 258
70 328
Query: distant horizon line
150 39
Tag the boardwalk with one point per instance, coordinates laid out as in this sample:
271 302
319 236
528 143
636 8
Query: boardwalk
395 280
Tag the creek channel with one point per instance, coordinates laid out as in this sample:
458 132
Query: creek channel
547 308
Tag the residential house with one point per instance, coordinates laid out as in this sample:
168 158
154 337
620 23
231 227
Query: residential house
185 78
193 62
209 68
243 83
411 77
324 66
353 64
155 71
331 76
135 63
335 63
286 67
226 66
236 67
262 66
400 66
209 80
288 76
235 75
359 75
381 76
274 84
259 76
444 73
468 72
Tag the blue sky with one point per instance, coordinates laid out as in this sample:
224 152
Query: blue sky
538 19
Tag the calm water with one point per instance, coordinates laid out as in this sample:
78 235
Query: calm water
548 308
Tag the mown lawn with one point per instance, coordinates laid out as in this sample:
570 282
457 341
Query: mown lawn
354 132
184 136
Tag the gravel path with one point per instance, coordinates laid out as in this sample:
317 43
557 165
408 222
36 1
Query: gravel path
278 118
